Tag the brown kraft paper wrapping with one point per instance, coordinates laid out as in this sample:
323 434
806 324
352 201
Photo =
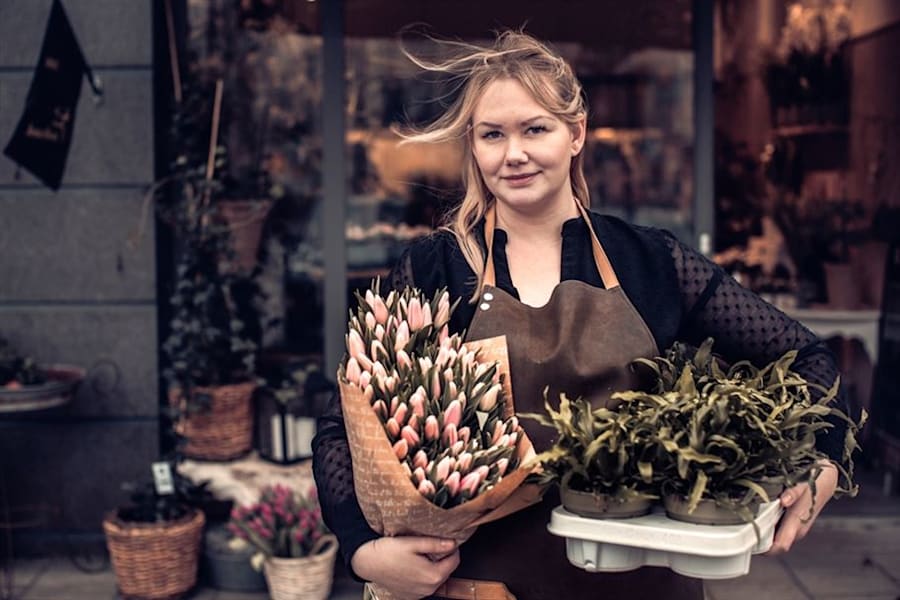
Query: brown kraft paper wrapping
389 500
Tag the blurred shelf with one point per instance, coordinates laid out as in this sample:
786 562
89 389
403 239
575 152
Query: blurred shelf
804 130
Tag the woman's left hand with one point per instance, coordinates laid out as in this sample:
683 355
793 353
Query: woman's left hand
797 520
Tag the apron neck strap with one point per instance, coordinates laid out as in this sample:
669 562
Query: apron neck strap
607 274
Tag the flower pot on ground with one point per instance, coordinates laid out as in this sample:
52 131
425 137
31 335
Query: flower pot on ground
226 565
291 543
223 428
154 542
735 435
602 458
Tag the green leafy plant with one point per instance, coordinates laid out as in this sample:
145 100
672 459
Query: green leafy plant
736 435
603 451
149 506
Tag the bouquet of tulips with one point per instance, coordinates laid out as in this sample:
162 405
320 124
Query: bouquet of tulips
436 448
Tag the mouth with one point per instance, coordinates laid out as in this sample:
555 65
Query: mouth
520 179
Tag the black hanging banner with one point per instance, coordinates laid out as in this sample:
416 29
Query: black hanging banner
42 138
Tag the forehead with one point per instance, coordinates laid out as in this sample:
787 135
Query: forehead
506 100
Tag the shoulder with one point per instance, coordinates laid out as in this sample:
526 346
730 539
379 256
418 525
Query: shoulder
625 238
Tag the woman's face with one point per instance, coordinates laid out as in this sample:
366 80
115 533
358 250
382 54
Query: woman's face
523 151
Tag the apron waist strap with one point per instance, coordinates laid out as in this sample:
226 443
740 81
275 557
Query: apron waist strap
473 589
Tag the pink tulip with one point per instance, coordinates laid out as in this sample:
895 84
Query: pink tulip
502 464
420 460
465 461
390 382
377 350
453 413
444 334
435 385
457 448
380 409
453 483
381 311
452 390
369 393
489 400
425 364
470 483
400 413
426 488
442 470
513 438
353 371
503 441
409 434
414 315
370 320
426 312
364 363
448 375
498 431
406 469
365 378
417 403
419 474
432 429
443 310
450 435
402 338
401 449
395 402
370 299
403 359
414 422
464 434
379 332
378 369
355 344
393 428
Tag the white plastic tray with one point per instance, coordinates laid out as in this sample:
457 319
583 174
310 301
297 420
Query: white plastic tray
702 551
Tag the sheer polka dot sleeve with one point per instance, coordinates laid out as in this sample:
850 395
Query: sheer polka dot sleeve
745 327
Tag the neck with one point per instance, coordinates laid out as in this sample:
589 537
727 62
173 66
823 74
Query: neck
544 224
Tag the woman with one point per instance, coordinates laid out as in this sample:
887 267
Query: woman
579 296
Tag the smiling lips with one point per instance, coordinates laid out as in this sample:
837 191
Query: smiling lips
520 179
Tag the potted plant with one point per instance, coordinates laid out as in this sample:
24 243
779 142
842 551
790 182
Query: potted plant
293 547
601 460
25 385
729 439
154 542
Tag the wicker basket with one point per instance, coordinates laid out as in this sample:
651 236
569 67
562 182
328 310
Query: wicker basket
225 431
307 578
154 561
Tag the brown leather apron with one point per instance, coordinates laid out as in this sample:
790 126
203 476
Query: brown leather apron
580 343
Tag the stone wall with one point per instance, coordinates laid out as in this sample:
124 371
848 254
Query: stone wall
71 288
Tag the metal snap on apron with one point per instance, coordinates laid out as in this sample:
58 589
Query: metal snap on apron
580 343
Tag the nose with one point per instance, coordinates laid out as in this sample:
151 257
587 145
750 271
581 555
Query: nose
515 152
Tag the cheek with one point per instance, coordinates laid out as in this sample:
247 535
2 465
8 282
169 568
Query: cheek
487 159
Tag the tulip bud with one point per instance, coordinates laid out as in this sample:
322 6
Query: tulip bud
402 337
442 357
443 311
426 312
365 378
498 431
381 311
442 470
378 369
370 320
409 434
465 461
365 363
380 410
406 469
503 441
414 422
453 483
444 334
513 438
452 390
450 435
489 400
469 483
419 474
414 315
457 448
355 344
464 434
379 331
370 298
393 428
432 430
453 413
403 359
377 350
420 460
401 412
401 449
352 372
417 403
448 376
395 402
435 385
502 464
426 488
369 393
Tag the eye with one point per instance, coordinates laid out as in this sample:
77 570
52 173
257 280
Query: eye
492 134
536 129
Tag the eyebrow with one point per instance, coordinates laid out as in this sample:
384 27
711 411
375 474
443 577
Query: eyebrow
498 126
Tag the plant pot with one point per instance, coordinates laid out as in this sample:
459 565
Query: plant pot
226 568
154 560
306 578
707 511
244 219
602 506
62 381
225 431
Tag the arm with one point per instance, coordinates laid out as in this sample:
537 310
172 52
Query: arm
746 327
370 557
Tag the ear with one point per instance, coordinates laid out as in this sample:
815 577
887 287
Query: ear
579 131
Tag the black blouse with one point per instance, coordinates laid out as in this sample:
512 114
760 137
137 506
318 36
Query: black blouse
680 294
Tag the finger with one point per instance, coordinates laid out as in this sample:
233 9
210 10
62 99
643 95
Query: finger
430 545
785 534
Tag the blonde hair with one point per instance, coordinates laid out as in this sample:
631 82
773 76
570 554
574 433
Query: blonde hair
543 73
